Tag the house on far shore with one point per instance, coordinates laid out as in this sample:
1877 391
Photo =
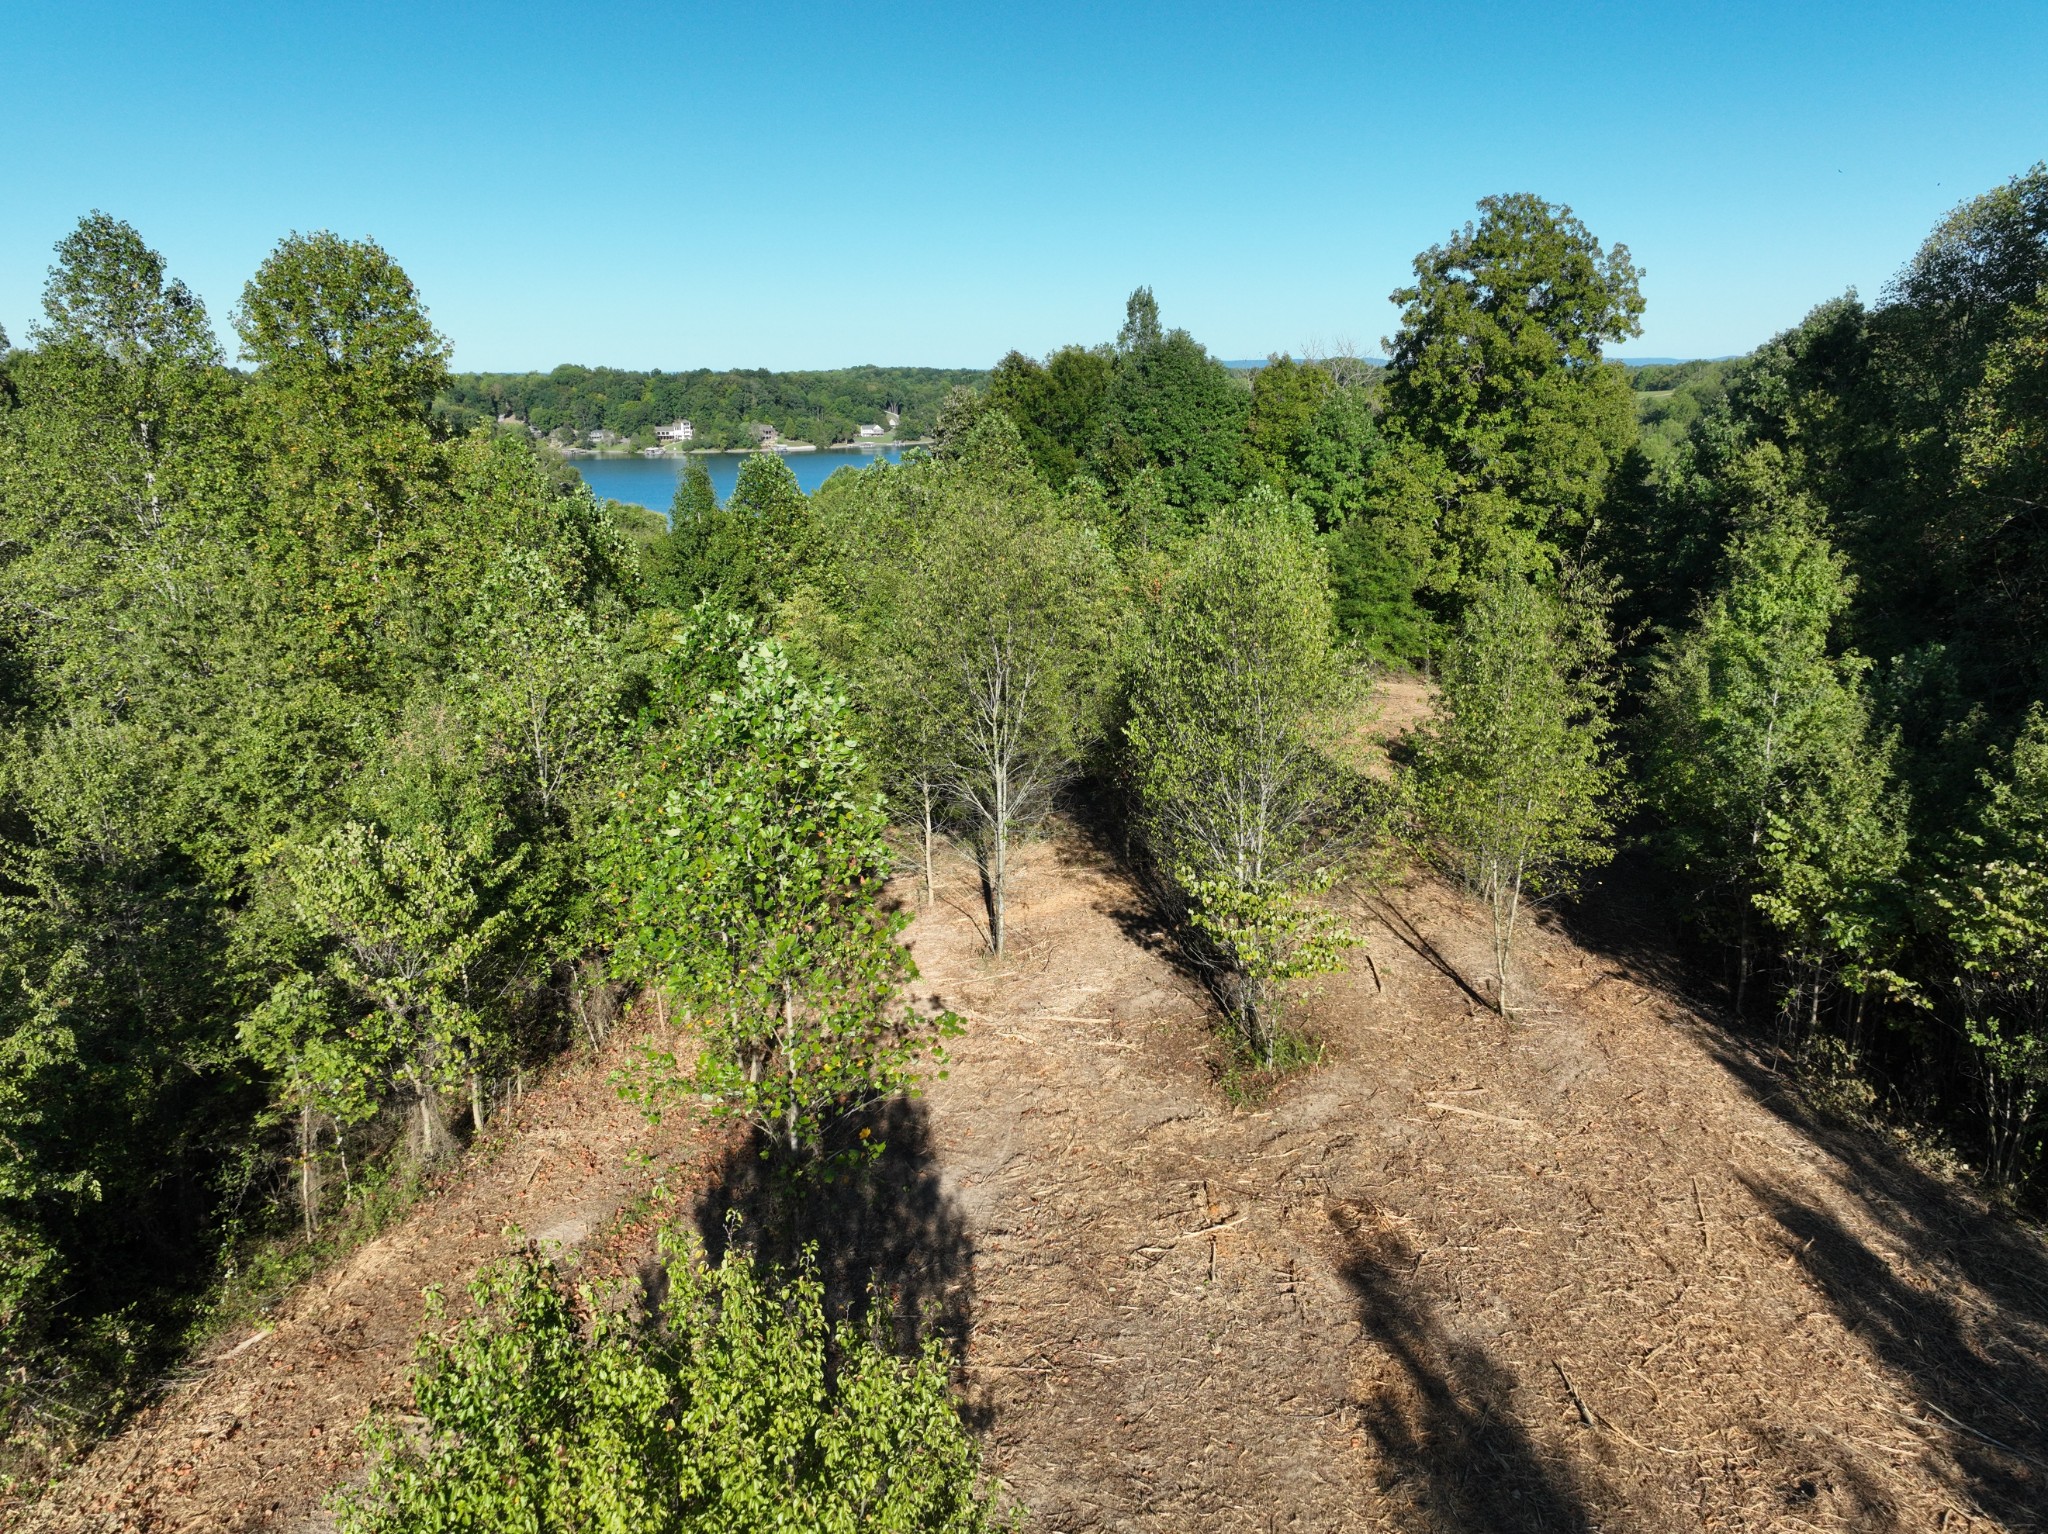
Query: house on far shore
605 438
675 431
874 431
763 434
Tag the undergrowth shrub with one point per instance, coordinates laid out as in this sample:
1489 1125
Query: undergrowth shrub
731 1407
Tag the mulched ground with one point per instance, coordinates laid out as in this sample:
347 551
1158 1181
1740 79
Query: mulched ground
1589 1270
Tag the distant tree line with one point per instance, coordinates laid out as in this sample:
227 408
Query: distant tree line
821 407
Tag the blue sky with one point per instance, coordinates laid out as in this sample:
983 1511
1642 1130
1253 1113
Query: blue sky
687 185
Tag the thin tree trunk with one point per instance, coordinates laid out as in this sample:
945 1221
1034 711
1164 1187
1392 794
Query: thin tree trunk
309 1184
476 1103
930 894
1741 965
999 868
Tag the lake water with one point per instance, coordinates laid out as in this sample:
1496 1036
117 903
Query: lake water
651 482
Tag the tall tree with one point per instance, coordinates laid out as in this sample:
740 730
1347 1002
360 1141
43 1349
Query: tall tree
746 555
1762 762
1508 429
1245 815
1006 627
1990 904
1173 408
347 367
745 869
1515 777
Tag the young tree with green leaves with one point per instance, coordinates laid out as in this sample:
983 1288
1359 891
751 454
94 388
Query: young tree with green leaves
744 869
1990 906
1515 779
414 944
737 1404
1770 782
1243 812
1010 621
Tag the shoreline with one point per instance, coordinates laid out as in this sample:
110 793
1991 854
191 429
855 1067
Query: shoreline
717 452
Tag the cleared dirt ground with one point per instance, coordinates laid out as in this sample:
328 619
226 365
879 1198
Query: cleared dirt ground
1593 1270
1587 1271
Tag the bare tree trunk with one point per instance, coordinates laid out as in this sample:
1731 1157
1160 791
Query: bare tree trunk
925 787
476 1102
999 863
1742 965
309 1177
429 1140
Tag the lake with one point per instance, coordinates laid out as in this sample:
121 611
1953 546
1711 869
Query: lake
651 482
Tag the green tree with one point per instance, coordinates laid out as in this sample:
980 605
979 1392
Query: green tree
540 686
1515 778
1240 807
1010 625
1174 408
347 367
1058 406
1769 781
413 942
744 869
1507 430
746 555
1287 403
736 1405
1990 904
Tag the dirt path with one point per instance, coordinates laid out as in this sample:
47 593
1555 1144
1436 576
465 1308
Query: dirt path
1586 1272
260 1432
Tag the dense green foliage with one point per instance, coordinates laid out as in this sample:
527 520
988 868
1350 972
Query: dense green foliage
733 1407
1842 588
344 755
820 407
745 866
313 715
1243 811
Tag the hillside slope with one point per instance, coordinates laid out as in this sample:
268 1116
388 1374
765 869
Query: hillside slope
1590 1271
1583 1272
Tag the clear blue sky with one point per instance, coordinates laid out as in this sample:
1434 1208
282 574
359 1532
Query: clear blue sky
686 185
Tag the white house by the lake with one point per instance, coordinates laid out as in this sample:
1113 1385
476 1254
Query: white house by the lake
874 431
675 431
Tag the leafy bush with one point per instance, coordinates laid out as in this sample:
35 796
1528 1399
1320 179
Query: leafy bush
734 1406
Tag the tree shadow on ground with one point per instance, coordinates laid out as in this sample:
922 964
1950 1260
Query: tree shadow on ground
887 1231
1963 1321
1447 1425
1978 1369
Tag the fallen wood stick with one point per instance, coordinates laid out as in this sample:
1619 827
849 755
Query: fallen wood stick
1210 1230
1585 1411
1983 1437
1595 1420
1706 1240
1474 1113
